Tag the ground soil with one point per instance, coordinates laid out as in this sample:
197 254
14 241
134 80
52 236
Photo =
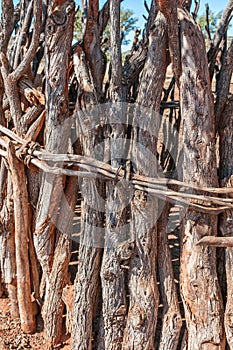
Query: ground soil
11 336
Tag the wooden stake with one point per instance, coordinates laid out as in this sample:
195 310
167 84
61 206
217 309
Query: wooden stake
21 241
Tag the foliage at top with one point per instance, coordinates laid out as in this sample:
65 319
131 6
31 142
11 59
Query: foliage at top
213 23
128 23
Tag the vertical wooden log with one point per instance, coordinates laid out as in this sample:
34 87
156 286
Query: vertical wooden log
7 247
112 272
21 241
54 305
87 280
7 251
171 311
226 219
59 31
169 9
91 41
224 85
7 23
198 279
144 298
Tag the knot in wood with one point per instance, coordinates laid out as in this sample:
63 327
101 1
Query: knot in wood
126 250
59 17
108 275
138 317
121 311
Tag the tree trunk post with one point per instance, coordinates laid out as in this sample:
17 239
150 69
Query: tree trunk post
198 278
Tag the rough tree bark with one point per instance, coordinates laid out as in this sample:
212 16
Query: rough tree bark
171 311
22 231
116 294
8 263
58 279
169 10
226 219
143 290
112 272
198 279
52 255
87 280
59 29
224 85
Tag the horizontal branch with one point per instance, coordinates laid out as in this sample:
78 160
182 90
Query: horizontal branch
92 168
225 242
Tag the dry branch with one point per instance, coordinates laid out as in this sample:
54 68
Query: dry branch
21 214
210 241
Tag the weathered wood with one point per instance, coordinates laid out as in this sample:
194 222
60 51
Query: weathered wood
135 60
92 47
143 290
171 311
103 17
198 278
34 96
7 246
26 18
58 278
68 299
112 272
21 215
211 241
11 91
35 128
7 23
23 66
87 281
226 219
222 27
224 86
59 30
169 9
